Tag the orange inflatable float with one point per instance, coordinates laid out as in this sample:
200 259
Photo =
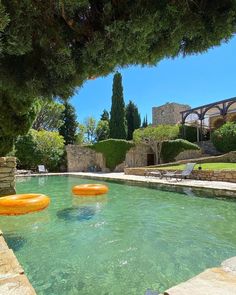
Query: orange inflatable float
22 204
89 189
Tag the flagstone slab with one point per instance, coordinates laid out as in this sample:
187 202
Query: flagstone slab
214 281
12 278
17 285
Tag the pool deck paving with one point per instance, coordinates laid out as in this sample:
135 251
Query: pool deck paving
214 281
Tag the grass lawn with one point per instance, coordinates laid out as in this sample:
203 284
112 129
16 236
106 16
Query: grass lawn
205 166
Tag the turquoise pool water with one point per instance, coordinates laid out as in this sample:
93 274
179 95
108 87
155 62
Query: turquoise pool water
131 240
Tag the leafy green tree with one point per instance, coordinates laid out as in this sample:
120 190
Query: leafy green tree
145 122
49 116
80 134
132 118
155 136
26 151
224 138
105 116
69 126
48 48
117 122
90 129
102 130
40 147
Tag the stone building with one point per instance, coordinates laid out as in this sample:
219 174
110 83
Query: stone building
168 113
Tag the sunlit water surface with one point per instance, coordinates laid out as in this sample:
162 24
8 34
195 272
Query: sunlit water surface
130 240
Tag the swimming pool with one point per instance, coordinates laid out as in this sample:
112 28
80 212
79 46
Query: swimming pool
133 239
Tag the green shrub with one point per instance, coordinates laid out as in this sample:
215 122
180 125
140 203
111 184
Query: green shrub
114 150
190 133
39 147
171 149
224 138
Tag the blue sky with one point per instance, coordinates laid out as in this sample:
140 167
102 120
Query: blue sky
193 80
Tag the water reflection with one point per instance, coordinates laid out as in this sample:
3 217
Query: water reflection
82 208
76 214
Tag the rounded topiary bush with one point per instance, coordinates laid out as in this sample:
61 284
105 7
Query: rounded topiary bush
224 138
171 149
114 150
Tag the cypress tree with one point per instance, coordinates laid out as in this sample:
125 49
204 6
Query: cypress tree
133 119
117 122
145 122
68 129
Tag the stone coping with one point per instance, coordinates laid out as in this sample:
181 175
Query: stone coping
213 281
214 188
12 278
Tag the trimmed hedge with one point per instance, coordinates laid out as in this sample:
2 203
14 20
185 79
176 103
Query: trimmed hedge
224 138
114 150
191 133
171 149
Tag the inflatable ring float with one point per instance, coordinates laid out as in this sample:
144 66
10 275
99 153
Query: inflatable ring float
92 189
23 204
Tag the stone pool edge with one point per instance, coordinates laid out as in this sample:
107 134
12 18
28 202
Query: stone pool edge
214 188
212 281
13 281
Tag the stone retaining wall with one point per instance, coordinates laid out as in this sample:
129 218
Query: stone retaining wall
220 175
226 158
7 175
80 158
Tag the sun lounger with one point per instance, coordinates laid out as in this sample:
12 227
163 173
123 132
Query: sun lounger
180 175
42 169
149 173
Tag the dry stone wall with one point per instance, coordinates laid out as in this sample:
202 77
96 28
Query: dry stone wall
137 156
189 154
82 159
211 175
7 175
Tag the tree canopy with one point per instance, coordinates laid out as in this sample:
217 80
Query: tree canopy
49 116
47 48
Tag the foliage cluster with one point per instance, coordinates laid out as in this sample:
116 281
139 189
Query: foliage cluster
224 138
48 48
49 116
132 118
114 150
39 147
171 149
